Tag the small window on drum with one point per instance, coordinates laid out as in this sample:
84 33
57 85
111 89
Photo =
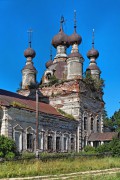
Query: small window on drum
48 75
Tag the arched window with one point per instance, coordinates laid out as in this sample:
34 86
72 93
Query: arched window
30 139
17 134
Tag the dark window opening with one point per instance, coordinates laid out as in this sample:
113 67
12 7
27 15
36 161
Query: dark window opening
72 144
91 123
48 76
57 144
65 144
39 141
85 143
85 123
50 143
98 125
95 144
29 141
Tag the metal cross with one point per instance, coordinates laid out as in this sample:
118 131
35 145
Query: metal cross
93 38
62 21
29 36
75 20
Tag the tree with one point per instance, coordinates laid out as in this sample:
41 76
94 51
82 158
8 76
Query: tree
7 147
113 122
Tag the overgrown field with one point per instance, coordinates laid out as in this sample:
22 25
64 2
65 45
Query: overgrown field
24 168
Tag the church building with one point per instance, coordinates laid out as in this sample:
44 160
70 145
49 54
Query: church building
64 112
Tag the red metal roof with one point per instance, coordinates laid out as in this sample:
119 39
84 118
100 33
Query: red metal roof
8 98
106 136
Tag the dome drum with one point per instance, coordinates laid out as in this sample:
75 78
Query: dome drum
48 63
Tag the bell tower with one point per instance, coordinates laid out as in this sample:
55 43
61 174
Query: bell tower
29 71
93 54
75 59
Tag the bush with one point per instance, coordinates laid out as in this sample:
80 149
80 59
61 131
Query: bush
89 149
1 154
115 147
10 155
28 155
104 148
7 145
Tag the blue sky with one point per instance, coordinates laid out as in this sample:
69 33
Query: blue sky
17 16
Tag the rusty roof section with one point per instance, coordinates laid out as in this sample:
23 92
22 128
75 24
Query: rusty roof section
8 98
106 136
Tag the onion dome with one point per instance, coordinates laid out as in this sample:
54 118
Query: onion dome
60 39
48 63
93 53
29 52
75 39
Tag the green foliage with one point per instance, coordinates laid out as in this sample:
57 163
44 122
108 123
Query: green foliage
53 80
89 149
27 155
1 154
10 156
7 145
65 114
113 122
115 146
27 168
95 85
112 147
18 104
104 148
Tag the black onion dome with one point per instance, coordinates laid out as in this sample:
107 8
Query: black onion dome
29 52
48 63
93 53
60 39
75 38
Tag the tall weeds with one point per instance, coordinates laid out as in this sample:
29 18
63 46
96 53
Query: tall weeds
36 167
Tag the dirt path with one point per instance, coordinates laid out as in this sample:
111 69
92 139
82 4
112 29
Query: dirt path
69 175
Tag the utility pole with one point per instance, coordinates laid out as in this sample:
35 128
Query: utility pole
37 124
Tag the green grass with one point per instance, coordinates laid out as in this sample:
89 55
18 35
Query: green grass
34 167
98 177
